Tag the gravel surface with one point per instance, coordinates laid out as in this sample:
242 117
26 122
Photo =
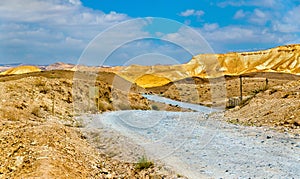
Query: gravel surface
200 145
194 107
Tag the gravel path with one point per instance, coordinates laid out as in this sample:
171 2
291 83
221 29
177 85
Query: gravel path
194 107
200 145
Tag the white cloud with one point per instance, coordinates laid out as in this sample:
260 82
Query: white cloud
230 33
257 16
223 38
34 29
189 39
266 23
192 12
260 17
289 23
148 53
210 27
255 3
75 2
54 12
239 14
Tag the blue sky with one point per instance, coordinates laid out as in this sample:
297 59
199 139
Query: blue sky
48 31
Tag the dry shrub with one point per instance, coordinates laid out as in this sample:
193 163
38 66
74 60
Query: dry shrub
39 82
36 111
104 106
13 114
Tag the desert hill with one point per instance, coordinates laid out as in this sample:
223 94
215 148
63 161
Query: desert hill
40 136
277 106
37 107
60 66
284 59
21 70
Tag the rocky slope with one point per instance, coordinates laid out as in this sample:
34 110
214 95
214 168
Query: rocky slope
285 59
278 107
39 136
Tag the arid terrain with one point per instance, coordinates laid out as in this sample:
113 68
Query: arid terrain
40 136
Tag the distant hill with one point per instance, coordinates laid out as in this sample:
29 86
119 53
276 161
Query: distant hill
283 59
10 65
20 70
60 66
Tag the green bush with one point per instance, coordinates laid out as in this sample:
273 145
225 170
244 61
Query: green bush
143 163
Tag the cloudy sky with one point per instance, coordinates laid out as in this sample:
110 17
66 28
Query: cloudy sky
48 31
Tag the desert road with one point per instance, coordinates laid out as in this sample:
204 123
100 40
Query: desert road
198 145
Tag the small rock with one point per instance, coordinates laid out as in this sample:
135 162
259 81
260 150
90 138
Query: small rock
33 143
237 108
269 137
104 171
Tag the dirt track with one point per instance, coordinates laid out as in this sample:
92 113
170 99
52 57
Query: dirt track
28 125
196 147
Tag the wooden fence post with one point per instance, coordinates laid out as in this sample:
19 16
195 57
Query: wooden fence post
53 103
241 89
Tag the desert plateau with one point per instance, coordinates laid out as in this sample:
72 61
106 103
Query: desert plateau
76 121
149 89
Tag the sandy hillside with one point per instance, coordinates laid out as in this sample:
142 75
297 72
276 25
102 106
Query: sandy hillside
278 107
20 70
198 90
40 138
282 59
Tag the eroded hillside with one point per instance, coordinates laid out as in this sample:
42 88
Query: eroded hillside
40 138
20 70
284 59
278 107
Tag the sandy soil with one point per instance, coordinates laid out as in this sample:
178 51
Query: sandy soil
198 145
275 105
199 91
40 138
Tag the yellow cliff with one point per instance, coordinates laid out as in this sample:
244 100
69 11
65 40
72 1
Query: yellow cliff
21 70
285 59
